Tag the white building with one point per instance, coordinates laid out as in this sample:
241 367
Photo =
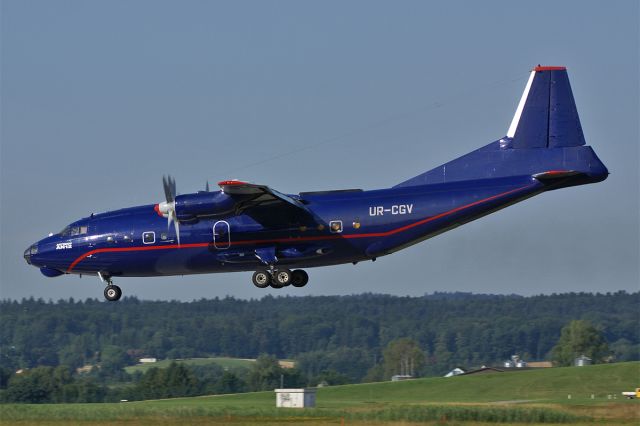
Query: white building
582 360
296 398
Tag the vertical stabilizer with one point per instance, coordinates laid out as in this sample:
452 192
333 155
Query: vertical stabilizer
546 116
545 136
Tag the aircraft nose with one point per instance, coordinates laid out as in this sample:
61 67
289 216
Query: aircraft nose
33 249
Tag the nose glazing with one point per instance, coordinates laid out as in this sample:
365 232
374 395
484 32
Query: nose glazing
33 249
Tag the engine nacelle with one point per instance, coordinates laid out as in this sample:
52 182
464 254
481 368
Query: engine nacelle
203 204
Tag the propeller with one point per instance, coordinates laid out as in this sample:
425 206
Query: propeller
168 207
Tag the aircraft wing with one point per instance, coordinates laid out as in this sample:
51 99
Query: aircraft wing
266 205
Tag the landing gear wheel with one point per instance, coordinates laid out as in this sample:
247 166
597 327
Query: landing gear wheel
261 279
274 284
112 293
299 278
281 278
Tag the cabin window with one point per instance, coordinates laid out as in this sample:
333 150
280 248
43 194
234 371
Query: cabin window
163 236
149 237
335 226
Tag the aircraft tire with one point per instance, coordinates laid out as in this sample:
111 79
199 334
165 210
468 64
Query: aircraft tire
261 279
274 284
112 293
282 278
299 278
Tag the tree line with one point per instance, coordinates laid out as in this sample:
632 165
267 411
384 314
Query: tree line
333 339
60 385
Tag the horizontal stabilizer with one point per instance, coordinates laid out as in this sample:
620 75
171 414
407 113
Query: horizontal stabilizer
555 174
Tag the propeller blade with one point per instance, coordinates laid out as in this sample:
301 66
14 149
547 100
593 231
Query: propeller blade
169 186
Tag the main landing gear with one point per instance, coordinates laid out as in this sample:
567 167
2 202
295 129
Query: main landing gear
280 278
112 292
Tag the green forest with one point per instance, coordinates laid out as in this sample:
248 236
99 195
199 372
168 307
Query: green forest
332 339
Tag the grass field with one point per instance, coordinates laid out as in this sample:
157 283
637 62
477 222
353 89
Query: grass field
533 396
221 361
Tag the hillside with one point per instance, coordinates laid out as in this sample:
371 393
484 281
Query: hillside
533 395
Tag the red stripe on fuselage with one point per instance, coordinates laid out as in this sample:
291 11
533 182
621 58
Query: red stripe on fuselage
297 239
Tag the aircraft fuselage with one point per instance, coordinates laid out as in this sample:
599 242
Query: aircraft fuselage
251 227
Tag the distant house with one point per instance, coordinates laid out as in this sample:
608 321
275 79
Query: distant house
515 362
147 360
582 360
455 372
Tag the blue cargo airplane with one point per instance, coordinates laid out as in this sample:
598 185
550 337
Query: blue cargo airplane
249 227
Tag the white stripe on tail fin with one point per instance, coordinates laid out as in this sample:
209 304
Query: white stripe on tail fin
516 118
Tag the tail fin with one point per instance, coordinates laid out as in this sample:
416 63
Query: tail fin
546 116
545 135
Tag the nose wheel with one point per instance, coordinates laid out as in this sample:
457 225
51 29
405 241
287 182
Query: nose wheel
279 278
112 292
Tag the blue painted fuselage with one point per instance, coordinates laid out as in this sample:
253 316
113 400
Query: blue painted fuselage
246 227
372 224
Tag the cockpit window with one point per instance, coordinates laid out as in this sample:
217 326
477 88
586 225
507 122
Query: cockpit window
72 231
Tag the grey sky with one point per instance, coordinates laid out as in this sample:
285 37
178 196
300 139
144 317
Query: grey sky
100 99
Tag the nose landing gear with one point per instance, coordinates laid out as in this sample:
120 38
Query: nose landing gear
112 292
279 278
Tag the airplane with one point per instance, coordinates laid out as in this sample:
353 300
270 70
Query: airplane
251 227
